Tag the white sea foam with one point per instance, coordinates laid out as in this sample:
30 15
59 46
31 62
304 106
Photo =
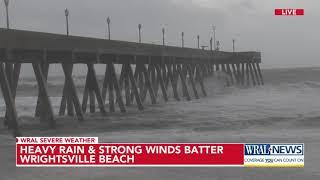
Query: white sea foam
232 107
285 110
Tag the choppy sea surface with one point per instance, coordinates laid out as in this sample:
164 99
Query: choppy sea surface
284 110
290 97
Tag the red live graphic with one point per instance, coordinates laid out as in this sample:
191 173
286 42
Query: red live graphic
289 12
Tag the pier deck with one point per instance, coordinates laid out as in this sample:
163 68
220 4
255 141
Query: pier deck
145 69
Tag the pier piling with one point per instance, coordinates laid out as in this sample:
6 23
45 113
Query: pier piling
147 70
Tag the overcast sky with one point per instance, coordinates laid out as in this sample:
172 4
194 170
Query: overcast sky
284 41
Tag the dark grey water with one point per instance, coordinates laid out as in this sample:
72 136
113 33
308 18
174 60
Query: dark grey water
289 96
285 110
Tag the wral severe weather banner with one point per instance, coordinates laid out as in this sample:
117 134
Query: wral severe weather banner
87 151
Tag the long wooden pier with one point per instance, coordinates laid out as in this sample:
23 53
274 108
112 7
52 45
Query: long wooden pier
145 69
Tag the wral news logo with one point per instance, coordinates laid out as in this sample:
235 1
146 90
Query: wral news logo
274 149
289 12
274 155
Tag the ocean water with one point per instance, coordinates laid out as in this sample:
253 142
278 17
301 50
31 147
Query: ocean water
290 97
284 110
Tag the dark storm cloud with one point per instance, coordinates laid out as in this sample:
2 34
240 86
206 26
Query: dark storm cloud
284 41
88 18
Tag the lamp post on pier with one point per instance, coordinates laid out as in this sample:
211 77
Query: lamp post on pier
182 39
163 31
214 37
66 13
198 38
9 66
218 45
108 22
139 27
233 48
6 2
211 44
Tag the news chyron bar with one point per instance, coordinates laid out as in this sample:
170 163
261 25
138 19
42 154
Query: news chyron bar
89 152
